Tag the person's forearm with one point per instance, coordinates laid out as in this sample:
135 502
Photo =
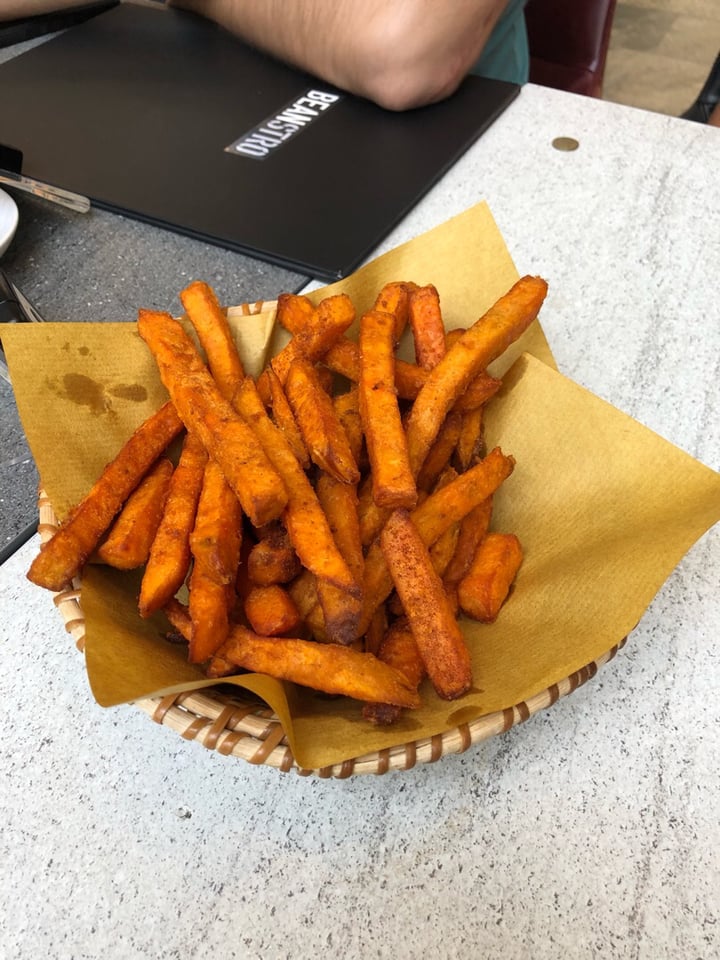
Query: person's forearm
19 9
400 53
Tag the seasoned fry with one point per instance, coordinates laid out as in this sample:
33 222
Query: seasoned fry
482 343
215 546
204 410
473 527
393 484
284 419
64 555
128 542
437 633
328 322
426 323
304 518
441 451
213 330
400 651
321 666
294 312
432 517
271 611
470 439
347 410
393 299
484 589
272 559
169 558
324 437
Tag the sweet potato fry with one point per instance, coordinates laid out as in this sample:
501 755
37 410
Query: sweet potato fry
426 323
215 336
179 617
294 312
321 666
271 611
400 651
129 539
272 559
432 517
205 412
215 546
328 322
437 633
473 527
64 555
482 343
344 358
304 593
484 589
169 559
324 437
304 518
393 484
284 419
470 439
441 451
347 410
393 299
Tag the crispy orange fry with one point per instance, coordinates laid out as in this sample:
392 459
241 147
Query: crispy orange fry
437 633
271 611
169 558
213 330
329 321
324 436
205 412
304 518
426 323
399 650
215 546
179 617
347 409
321 666
344 358
303 591
500 326
473 528
284 419
470 438
483 590
294 311
441 451
393 484
393 299
64 555
432 517
128 542
272 559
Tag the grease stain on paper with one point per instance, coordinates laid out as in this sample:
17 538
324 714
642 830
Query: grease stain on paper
83 391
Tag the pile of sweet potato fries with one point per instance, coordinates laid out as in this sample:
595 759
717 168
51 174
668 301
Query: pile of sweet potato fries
328 522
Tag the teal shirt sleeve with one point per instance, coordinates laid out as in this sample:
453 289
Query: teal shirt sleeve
506 55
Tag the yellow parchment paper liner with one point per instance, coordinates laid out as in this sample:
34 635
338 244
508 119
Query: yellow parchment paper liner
604 507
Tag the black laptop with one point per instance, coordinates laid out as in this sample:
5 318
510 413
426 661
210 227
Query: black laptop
166 117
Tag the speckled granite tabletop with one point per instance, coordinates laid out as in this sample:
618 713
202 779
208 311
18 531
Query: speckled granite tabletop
589 831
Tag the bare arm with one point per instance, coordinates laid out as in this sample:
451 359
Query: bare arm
18 9
399 53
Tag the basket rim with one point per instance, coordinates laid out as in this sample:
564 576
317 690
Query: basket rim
251 731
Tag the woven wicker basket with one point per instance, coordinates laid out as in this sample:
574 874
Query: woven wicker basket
248 729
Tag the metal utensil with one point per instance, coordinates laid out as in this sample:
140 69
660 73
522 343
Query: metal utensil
14 308
44 190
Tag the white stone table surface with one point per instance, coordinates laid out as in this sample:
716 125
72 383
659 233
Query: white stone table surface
591 831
